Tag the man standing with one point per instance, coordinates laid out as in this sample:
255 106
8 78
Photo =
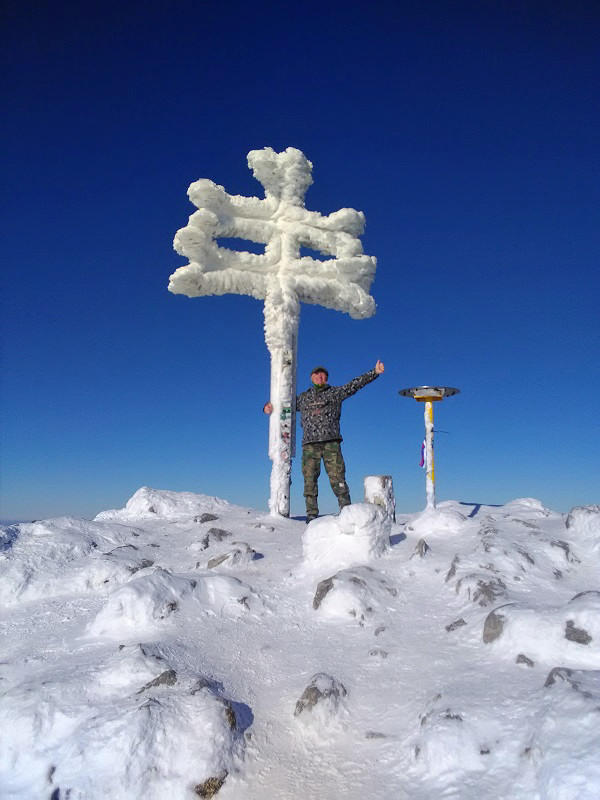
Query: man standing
321 408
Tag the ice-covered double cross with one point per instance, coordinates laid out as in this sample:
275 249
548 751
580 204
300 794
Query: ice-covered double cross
281 276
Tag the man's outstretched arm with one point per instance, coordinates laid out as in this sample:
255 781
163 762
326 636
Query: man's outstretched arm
350 388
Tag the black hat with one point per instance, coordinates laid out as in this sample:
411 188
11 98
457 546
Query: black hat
319 369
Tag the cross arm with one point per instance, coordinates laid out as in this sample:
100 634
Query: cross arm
193 281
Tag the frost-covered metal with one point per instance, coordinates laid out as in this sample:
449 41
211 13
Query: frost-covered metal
281 276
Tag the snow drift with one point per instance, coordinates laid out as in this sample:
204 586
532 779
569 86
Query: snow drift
184 647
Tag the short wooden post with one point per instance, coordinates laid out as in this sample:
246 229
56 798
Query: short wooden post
379 489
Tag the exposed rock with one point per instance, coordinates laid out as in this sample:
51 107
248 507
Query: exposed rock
527 524
592 593
322 588
494 624
230 714
241 553
377 651
144 564
583 517
450 715
167 678
217 534
488 591
559 672
201 683
355 592
488 533
574 634
210 786
421 548
526 555
572 559
375 735
585 682
214 562
321 689
212 535
483 592
456 624
205 518
452 571
124 548
522 659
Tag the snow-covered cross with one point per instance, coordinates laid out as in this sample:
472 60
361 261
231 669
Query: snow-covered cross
281 276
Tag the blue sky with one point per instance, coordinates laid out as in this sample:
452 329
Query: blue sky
466 132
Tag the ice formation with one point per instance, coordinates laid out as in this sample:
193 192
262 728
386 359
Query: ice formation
281 276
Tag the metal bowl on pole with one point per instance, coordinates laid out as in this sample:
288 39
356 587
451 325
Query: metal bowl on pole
429 395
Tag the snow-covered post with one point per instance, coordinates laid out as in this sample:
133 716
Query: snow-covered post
429 395
280 276
379 489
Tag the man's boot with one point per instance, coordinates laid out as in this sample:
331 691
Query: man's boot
312 509
344 500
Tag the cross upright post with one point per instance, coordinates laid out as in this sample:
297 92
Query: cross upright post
281 276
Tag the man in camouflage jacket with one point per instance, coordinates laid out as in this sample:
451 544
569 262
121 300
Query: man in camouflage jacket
321 408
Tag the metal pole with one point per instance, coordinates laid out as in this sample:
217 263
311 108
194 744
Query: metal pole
430 476
428 395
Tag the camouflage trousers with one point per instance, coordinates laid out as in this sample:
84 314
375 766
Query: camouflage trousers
331 453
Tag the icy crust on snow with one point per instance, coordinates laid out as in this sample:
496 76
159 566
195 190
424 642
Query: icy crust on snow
357 593
65 555
438 520
130 727
568 634
552 755
144 604
161 504
454 653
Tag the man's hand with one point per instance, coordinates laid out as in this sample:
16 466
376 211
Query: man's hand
268 408
379 368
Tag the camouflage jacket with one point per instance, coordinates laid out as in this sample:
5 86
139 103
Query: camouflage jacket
321 408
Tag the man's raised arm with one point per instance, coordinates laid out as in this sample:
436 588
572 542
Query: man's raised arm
350 388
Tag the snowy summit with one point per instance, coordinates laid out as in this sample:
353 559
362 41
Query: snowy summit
185 647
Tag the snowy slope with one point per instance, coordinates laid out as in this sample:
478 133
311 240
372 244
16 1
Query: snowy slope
185 647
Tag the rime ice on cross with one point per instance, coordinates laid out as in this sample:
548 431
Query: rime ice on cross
280 276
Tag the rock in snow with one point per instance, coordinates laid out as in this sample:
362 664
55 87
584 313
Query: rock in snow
568 634
323 700
131 669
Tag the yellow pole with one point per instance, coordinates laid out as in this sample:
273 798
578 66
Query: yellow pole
430 476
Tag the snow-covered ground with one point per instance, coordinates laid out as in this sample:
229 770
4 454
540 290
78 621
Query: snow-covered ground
185 647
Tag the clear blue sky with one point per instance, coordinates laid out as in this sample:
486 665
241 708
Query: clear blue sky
468 133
